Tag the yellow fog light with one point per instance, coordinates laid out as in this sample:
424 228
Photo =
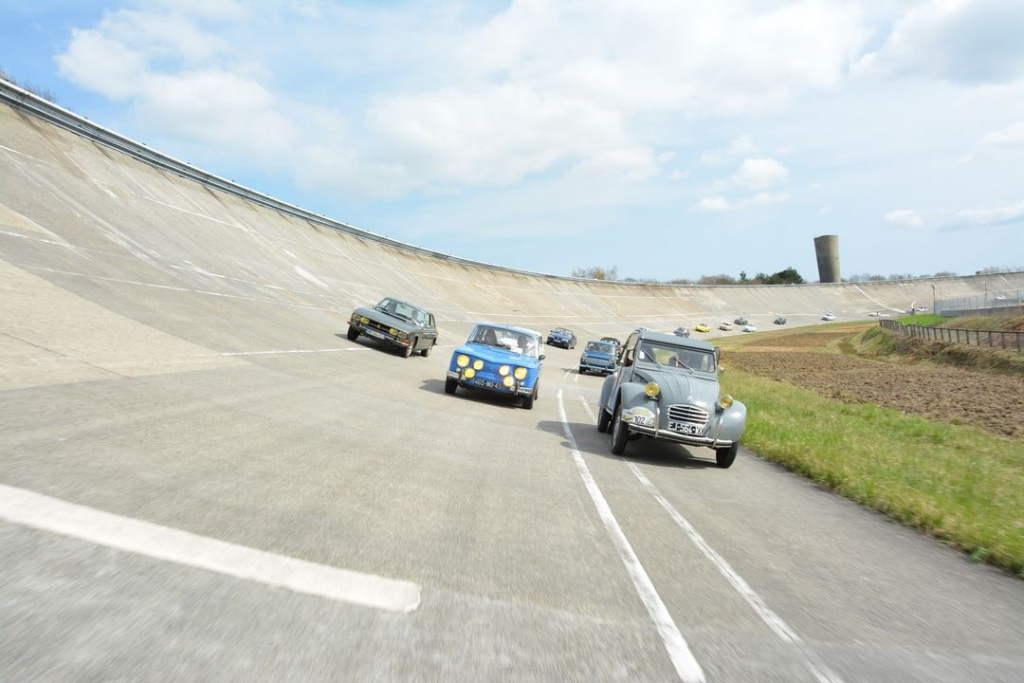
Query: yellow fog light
462 361
508 382
521 373
725 401
364 320
478 364
652 389
503 370
393 331
470 373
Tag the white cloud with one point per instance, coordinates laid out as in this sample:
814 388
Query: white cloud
713 204
1008 213
1010 137
905 218
967 41
755 174
741 146
762 198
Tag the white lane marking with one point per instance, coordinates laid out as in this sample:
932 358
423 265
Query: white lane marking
144 538
685 664
267 353
577 377
821 672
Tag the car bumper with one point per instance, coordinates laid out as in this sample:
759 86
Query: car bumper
596 367
711 441
490 383
380 335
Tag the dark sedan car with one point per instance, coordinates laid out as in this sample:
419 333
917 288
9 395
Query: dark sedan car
562 337
396 323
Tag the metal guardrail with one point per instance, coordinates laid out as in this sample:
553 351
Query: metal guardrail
26 102
1012 341
989 301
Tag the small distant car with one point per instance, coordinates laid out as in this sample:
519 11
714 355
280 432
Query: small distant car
701 327
750 328
560 336
780 321
598 357
920 309
828 316
1000 297
500 359
740 321
682 331
725 326
667 388
396 323
873 314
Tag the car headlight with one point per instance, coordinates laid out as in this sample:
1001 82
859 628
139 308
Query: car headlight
470 373
508 382
478 364
393 332
503 370
402 335
725 401
652 389
364 320
521 373
462 361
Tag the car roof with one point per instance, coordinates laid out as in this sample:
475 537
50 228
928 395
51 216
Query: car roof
503 326
677 341
407 303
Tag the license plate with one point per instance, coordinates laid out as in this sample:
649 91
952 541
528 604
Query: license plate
489 384
686 427
375 333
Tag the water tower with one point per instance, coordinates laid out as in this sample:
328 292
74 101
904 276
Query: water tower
827 249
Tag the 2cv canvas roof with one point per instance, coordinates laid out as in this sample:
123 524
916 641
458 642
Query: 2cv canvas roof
673 340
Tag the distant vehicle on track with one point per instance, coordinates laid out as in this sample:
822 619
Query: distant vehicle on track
750 328
701 327
682 331
500 359
740 321
563 337
725 326
828 316
396 323
598 356
780 321
667 388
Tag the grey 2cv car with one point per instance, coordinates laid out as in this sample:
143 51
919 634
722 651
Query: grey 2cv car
667 388
397 323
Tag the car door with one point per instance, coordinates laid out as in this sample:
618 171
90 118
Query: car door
428 337
625 366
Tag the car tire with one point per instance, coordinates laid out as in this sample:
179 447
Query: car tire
450 385
426 352
581 371
528 400
353 333
620 432
725 457
407 351
603 420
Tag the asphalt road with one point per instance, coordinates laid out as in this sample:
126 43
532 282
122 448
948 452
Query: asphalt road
202 479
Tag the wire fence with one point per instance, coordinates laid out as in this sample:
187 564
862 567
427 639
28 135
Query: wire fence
1011 341
989 302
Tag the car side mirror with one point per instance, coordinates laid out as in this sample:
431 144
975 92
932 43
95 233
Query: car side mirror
541 357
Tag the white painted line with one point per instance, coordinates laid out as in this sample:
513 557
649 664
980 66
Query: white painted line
821 672
685 664
144 538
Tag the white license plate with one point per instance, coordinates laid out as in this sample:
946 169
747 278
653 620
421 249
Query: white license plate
489 384
375 333
686 427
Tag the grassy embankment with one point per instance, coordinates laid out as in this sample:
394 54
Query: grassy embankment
958 483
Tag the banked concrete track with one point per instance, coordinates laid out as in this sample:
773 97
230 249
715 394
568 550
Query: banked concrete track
201 479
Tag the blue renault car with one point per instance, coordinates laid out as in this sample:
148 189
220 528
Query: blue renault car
498 358
598 356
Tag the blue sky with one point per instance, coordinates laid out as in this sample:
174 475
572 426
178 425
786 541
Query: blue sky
667 139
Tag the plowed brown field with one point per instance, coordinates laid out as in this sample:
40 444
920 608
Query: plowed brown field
994 402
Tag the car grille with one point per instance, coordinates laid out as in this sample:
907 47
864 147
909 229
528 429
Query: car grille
681 412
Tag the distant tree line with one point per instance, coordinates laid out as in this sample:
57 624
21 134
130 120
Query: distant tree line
45 94
788 276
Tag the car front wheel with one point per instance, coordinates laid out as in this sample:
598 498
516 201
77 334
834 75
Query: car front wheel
407 351
725 457
528 400
450 385
353 332
620 432
426 352
602 420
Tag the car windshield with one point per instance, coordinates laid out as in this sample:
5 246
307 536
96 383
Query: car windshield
599 347
670 356
504 338
402 310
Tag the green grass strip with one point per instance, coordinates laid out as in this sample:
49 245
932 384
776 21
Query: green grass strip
957 483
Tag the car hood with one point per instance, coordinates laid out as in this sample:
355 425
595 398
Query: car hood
598 355
385 319
489 354
682 387
559 335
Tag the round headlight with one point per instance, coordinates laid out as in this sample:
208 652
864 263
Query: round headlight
652 389
725 401
393 331
402 335
503 370
508 382
462 361
478 364
364 320
470 373
521 373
